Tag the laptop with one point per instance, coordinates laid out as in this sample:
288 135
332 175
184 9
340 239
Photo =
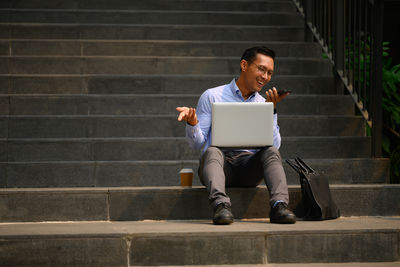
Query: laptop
245 125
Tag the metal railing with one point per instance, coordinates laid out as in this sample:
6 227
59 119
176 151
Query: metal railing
350 33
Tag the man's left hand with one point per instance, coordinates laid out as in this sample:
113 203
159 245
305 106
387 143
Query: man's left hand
274 97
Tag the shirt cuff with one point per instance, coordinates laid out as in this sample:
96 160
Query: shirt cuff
192 130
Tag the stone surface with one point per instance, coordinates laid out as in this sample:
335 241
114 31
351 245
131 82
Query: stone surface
4 48
151 48
185 249
149 84
50 174
154 4
52 84
152 32
48 150
159 104
191 48
46 48
84 243
333 247
4 84
166 104
48 105
48 127
173 148
161 126
53 205
4 65
151 65
3 151
40 31
86 251
166 173
175 203
3 127
150 17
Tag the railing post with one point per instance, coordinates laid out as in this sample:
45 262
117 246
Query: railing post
308 35
376 83
339 45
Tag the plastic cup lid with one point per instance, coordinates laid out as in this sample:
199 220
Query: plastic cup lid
186 170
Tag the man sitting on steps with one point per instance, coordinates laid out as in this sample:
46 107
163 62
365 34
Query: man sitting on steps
240 168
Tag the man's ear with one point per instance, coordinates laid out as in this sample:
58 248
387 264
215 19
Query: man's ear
243 65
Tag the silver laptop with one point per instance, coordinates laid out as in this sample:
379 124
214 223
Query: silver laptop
244 125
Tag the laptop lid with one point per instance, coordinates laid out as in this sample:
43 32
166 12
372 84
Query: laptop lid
246 125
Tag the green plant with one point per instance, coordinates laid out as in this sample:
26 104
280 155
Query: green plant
390 100
358 61
391 113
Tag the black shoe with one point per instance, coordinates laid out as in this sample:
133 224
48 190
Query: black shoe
223 214
281 214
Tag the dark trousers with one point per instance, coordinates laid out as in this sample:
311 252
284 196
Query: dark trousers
219 170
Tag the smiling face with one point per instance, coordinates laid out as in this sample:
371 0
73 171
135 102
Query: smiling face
255 74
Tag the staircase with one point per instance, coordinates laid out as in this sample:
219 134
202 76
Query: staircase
90 148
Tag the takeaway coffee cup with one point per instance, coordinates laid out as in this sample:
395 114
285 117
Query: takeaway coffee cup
186 177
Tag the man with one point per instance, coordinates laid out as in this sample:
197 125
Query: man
220 168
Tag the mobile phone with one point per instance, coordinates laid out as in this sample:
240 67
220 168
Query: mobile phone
281 92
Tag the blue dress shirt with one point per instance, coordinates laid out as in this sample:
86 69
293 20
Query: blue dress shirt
200 135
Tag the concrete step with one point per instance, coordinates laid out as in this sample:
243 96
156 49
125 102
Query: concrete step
153 148
176 203
160 126
345 242
184 17
148 84
151 32
204 5
4 48
166 173
147 104
330 264
153 65
151 48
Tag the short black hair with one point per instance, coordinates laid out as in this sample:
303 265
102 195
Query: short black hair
250 53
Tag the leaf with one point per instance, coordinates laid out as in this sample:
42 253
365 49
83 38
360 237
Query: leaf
386 144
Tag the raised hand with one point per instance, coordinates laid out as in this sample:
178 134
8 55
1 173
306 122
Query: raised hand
188 115
274 97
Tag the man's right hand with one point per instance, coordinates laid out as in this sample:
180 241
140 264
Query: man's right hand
188 115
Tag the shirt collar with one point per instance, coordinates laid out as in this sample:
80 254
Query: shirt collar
236 91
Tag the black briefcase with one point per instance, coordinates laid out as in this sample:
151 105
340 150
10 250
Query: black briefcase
316 200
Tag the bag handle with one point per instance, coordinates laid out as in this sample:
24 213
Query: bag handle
294 166
304 165
304 169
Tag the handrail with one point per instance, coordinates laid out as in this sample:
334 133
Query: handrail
350 33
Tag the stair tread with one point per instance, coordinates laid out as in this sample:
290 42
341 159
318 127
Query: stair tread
180 138
331 264
56 57
197 227
173 242
164 116
140 41
73 190
239 12
149 31
132 75
162 95
175 202
185 161
150 25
